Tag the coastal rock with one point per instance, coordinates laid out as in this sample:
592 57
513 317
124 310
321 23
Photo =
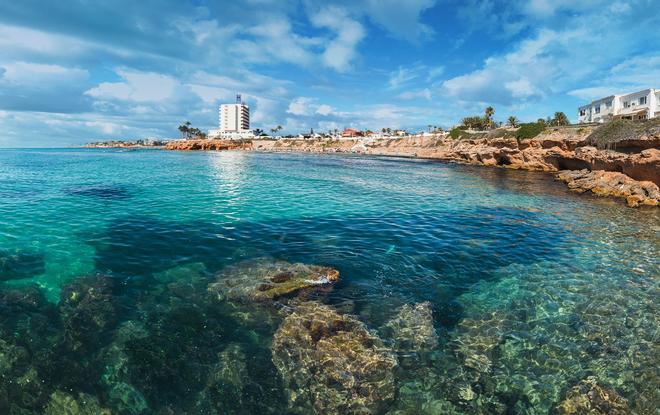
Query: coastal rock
268 280
412 331
588 397
64 404
607 183
331 363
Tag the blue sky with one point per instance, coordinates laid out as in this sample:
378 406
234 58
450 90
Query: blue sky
75 71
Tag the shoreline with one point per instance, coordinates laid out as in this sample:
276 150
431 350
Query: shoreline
632 174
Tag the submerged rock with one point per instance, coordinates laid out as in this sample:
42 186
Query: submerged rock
64 404
101 191
268 280
20 264
226 382
412 329
88 310
122 395
588 397
332 363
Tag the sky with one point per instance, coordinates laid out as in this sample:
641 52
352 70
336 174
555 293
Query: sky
78 70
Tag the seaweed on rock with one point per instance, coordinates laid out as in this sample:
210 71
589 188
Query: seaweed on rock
331 363
588 397
65 404
268 280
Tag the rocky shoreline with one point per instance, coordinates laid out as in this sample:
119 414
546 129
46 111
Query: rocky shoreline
631 172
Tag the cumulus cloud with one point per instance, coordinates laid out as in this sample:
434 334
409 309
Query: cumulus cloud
136 86
339 52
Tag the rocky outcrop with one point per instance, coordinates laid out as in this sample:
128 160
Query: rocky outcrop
332 364
608 183
209 145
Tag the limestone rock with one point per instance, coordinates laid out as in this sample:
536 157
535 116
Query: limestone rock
331 363
607 183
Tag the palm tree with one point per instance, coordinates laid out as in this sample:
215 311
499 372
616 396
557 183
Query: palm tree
560 119
512 121
429 127
490 111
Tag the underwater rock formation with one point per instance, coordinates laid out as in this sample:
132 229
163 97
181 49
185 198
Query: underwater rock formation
64 404
412 329
116 379
87 309
332 363
20 264
225 385
588 397
268 280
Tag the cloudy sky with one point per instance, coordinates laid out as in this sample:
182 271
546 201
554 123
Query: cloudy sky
77 70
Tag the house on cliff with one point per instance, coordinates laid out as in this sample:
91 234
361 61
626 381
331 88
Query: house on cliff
641 105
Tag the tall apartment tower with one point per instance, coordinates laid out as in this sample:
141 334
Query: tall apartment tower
234 118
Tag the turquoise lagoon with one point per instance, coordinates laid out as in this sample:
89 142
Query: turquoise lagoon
106 257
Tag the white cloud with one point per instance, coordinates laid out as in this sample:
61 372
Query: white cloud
300 106
324 110
27 73
402 19
422 93
136 86
339 52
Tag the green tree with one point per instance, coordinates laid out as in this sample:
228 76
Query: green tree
513 121
560 119
541 121
489 112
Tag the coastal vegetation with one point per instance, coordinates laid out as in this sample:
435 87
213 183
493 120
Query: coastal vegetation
188 131
608 135
529 130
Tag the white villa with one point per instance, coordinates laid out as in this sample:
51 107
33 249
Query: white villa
234 121
640 105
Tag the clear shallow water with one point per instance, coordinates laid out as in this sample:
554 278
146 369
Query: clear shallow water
532 289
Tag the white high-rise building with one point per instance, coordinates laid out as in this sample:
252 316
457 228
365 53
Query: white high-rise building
234 121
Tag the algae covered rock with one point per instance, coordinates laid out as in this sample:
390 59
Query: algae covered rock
64 404
332 363
226 382
588 397
268 280
87 309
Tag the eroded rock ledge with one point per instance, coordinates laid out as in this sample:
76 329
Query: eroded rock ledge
609 183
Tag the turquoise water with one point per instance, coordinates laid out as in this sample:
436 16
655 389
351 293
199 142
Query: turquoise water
108 261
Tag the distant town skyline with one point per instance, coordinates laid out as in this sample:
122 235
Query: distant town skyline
72 72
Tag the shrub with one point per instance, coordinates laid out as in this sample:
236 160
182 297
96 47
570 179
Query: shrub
455 133
529 130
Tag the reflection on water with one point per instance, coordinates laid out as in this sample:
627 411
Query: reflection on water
461 290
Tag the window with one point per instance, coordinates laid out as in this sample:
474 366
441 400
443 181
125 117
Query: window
608 104
626 104
583 113
642 100
597 109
